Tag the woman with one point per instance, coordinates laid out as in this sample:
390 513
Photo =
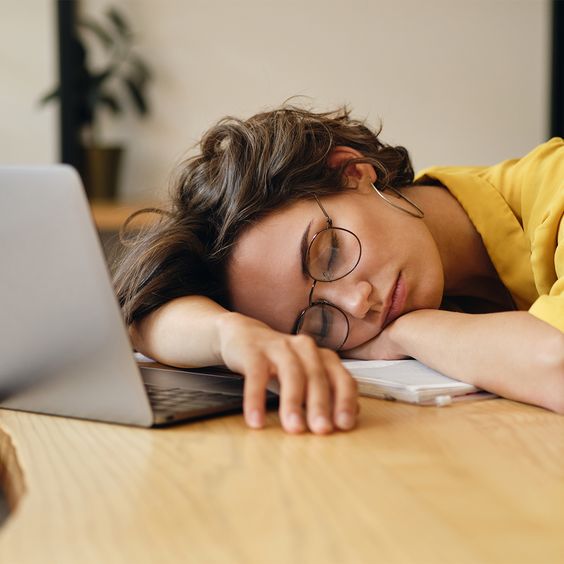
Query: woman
297 222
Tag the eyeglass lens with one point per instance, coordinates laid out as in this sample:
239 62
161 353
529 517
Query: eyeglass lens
333 253
326 324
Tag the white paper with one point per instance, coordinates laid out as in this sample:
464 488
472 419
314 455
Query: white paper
409 381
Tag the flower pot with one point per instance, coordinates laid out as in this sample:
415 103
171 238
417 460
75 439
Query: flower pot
101 172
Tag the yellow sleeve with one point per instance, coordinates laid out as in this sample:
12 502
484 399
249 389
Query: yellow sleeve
517 208
534 188
541 175
550 307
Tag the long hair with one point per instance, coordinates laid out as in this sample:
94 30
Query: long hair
245 170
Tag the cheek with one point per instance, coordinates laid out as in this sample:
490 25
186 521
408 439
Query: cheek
413 251
430 293
427 278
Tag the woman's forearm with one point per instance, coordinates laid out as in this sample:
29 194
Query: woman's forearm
513 354
184 332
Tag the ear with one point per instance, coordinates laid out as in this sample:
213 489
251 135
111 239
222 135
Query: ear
359 175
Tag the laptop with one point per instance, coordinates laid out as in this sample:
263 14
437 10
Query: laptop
64 349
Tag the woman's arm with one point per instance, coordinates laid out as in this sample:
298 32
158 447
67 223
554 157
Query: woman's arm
184 333
512 354
195 331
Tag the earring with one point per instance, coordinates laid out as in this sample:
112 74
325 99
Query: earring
419 214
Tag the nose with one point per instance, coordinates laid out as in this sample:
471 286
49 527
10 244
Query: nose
352 296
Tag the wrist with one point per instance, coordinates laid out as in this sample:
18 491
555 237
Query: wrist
223 325
227 325
405 328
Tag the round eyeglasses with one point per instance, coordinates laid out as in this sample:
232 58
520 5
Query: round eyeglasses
332 254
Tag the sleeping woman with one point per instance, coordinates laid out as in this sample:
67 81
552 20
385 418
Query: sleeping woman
296 237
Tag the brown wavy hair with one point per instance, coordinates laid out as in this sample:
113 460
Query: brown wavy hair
245 170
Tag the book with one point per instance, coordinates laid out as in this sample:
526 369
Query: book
410 381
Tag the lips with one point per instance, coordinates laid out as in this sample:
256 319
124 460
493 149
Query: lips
397 301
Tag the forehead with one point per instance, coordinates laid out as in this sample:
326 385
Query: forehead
265 271
282 226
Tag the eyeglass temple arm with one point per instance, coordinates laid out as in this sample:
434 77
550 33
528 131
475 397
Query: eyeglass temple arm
329 220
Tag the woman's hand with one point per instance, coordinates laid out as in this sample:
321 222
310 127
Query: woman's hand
308 376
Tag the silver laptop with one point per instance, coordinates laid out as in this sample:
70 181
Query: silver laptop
64 349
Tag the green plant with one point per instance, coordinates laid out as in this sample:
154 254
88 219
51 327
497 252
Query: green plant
124 75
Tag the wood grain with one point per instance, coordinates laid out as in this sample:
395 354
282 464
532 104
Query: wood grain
471 483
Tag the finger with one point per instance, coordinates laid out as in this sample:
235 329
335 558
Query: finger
318 390
345 391
292 388
257 374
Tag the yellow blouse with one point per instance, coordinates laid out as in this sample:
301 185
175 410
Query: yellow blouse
517 207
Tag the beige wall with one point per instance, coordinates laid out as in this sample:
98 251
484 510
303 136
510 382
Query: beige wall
28 69
455 81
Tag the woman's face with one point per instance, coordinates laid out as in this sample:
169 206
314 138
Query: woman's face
399 269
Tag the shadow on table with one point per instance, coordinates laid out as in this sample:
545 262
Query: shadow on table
4 510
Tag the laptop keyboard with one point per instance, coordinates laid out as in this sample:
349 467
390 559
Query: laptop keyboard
181 399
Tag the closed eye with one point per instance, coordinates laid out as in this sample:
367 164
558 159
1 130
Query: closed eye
334 249
333 255
325 323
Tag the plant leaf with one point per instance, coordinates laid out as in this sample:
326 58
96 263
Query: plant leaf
98 31
98 78
137 96
111 102
93 88
91 96
140 68
119 21
55 93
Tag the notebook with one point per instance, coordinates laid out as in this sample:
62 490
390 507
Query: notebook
410 381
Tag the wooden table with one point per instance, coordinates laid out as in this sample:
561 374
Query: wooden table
110 216
478 482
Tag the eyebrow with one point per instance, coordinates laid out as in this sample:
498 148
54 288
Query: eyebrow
303 250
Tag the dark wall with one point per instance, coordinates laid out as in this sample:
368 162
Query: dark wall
69 64
557 87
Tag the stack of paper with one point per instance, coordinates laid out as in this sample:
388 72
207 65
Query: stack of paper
409 381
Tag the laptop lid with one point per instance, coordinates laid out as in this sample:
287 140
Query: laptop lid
64 349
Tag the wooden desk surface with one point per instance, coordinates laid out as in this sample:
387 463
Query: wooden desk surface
110 216
471 483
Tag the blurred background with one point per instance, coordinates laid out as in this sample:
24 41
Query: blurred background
454 81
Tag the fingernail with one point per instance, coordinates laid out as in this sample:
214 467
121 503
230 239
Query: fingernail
295 422
254 419
345 420
321 424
